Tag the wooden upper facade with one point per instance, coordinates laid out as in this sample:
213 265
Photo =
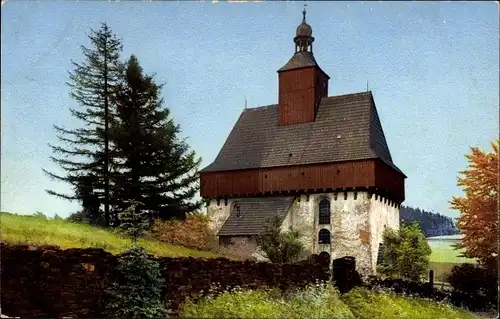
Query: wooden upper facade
307 143
372 175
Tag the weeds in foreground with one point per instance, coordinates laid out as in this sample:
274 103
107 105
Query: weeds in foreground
318 301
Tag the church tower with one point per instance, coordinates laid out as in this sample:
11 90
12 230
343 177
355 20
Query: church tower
302 83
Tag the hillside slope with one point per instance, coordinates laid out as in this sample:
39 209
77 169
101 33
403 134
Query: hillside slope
37 231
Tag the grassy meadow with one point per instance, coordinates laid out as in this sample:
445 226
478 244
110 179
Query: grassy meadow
32 230
444 256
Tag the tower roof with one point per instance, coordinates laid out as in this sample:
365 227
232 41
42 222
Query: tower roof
304 29
303 56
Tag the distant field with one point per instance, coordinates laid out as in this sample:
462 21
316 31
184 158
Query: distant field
443 251
444 256
23 229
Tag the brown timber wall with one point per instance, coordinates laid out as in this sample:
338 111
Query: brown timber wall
388 179
297 93
288 179
305 178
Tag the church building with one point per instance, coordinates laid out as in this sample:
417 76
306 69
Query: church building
321 163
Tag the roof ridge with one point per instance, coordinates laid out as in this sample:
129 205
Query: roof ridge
350 94
259 107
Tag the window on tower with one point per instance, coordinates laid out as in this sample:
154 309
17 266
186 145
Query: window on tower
324 212
324 236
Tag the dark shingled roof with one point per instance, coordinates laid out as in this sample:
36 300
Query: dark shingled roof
346 128
254 213
300 60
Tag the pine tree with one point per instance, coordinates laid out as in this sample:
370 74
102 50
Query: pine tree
156 167
87 155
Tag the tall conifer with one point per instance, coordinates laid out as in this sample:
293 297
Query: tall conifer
156 167
86 157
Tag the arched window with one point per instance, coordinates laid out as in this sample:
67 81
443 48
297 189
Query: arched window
324 236
324 212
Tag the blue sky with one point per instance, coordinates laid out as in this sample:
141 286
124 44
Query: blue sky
432 66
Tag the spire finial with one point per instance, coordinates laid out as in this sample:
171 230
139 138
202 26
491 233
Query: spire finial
304 14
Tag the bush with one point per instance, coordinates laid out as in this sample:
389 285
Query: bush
193 232
405 253
136 290
277 245
475 281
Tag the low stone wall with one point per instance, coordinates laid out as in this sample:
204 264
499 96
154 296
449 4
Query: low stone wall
50 282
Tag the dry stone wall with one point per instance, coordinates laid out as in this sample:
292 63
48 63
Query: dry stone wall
48 282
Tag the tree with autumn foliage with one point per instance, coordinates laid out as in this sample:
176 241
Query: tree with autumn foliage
479 205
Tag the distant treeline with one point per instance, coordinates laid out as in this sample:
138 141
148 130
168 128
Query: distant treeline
432 224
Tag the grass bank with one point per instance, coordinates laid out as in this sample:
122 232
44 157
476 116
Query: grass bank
32 230
319 301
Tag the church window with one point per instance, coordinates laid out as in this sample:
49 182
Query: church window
324 212
324 236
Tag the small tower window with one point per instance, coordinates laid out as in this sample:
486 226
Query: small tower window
324 236
324 212
237 210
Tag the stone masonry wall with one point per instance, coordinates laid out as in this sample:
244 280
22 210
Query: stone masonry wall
47 282
383 214
349 226
218 213
356 226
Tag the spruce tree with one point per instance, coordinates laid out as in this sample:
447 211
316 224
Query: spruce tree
136 290
133 221
156 167
86 156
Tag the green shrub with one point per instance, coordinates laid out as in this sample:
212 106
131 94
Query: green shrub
366 304
136 291
192 232
279 246
405 253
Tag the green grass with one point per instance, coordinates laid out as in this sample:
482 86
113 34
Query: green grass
319 301
443 252
369 304
443 257
24 229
